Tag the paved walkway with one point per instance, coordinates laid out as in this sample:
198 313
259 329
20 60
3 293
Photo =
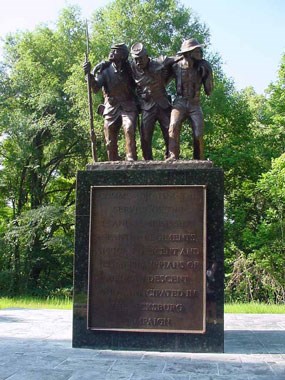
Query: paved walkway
36 345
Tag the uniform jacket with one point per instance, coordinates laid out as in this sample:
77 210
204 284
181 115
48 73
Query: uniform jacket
189 79
118 89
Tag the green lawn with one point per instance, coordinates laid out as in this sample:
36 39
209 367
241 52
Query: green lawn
35 303
56 303
254 308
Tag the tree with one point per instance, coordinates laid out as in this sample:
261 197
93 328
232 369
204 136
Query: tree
258 272
255 245
269 241
44 118
42 148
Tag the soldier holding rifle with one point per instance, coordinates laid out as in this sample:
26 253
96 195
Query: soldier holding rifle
120 108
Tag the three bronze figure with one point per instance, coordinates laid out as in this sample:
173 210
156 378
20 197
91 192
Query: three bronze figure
140 87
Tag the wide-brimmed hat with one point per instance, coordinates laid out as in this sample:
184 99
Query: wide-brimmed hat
138 50
189 45
122 47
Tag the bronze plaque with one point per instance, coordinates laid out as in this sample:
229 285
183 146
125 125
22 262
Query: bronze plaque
147 259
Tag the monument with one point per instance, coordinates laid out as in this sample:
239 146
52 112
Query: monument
148 269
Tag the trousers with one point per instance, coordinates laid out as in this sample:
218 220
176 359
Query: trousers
127 120
149 118
183 110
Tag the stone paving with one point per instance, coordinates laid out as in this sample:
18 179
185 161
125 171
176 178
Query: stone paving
36 345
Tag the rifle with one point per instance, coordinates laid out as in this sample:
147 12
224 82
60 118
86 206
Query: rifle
91 121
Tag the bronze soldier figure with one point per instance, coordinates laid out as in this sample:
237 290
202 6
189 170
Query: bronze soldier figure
120 107
151 77
190 73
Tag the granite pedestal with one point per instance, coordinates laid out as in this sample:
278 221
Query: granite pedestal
173 297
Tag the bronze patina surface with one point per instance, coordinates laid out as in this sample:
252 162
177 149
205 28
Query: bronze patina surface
192 73
120 108
147 266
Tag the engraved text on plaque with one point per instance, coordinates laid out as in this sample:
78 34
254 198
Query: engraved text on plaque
147 259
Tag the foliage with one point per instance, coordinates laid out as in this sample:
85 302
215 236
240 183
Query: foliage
252 281
160 24
255 208
43 145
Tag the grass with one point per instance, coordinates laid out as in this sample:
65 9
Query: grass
58 303
254 308
35 303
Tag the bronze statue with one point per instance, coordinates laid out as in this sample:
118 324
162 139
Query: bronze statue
120 106
151 77
191 72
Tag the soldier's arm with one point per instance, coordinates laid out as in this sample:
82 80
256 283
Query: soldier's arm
207 76
100 67
98 75
97 80
167 63
86 69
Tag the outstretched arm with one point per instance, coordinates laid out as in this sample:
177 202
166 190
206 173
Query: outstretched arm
167 63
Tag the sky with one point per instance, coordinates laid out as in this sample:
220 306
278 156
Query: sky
249 35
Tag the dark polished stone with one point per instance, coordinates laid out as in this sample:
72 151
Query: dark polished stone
158 174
